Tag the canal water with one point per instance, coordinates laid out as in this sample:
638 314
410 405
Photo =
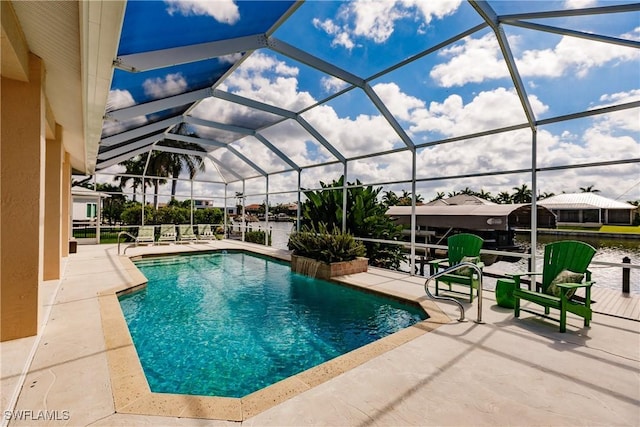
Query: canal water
608 250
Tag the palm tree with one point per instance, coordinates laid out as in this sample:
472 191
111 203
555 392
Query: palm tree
389 198
503 197
134 167
467 191
439 195
484 194
545 195
175 163
522 194
158 167
589 189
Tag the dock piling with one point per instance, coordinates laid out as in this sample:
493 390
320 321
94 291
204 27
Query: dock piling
626 275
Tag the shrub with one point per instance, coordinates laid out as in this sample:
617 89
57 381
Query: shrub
365 217
325 246
208 216
256 237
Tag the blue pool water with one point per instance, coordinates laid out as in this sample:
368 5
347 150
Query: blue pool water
228 324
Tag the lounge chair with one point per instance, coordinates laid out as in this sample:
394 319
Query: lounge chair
145 235
462 247
167 233
186 234
564 271
205 232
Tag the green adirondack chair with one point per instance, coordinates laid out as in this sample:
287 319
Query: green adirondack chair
564 271
461 247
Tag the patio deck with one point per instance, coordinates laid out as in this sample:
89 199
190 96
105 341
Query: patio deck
505 371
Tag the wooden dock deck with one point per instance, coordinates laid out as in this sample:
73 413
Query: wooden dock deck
615 303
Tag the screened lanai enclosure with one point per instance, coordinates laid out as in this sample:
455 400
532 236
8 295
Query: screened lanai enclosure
263 99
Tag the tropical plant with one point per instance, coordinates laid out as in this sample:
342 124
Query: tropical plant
176 162
589 189
439 195
503 197
545 195
484 195
208 216
113 205
365 217
389 198
132 214
256 236
522 194
325 244
134 169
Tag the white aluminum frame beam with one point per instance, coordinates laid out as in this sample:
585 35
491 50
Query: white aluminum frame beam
107 154
488 14
313 61
574 33
217 125
123 157
159 105
563 13
192 53
194 140
237 99
202 141
244 131
277 151
140 131
373 96
321 139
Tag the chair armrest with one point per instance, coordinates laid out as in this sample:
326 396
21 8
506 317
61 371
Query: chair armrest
517 276
568 286
434 265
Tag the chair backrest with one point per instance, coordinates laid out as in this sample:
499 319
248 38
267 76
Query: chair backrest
185 229
205 230
565 255
146 231
463 244
167 229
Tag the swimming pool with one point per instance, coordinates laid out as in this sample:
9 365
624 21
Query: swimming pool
228 324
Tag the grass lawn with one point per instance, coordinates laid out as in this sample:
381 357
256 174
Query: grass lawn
620 229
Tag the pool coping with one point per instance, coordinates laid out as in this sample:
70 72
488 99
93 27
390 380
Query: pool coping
131 391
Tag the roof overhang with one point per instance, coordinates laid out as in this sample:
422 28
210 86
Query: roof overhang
77 42
472 217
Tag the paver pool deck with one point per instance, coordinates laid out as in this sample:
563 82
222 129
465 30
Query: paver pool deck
503 371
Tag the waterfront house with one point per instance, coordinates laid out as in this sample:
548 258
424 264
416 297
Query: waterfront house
589 210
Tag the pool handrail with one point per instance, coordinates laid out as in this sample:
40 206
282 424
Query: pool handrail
450 270
128 234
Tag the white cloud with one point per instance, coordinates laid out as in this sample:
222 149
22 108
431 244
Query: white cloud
340 32
171 84
232 58
376 19
621 120
475 60
332 84
400 104
224 11
489 109
472 61
579 4
262 77
120 99
265 78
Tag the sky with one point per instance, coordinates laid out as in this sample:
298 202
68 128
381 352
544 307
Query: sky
460 89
